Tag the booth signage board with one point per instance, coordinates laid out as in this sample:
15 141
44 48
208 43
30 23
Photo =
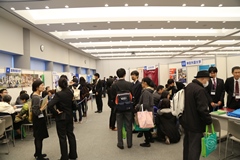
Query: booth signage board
195 62
149 67
13 70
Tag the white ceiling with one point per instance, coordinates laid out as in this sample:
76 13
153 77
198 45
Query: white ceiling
138 29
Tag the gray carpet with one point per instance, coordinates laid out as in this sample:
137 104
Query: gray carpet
96 142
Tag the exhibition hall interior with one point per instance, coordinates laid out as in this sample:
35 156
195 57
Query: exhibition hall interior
90 40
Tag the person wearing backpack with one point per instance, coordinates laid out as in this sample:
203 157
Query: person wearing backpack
123 110
195 116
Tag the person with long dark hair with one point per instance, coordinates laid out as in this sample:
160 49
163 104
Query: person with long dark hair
84 94
40 131
64 119
147 102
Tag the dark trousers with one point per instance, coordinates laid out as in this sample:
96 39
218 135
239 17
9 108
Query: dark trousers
64 131
38 147
148 136
234 104
79 110
192 145
112 119
99 102
126 118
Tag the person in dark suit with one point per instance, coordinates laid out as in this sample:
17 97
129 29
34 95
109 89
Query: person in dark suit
125 117
233 90
174 87
136 93
64 119
215 89
98 92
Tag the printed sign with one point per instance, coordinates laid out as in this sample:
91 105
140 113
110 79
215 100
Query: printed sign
191 63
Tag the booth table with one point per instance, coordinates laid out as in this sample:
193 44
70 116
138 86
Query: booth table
223 119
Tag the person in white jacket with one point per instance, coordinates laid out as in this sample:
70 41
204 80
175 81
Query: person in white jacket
5 107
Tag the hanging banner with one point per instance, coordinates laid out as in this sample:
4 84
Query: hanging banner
173 74
153 74
182 75
191 63
205 67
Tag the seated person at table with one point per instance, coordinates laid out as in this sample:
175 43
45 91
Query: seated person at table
168 129
165 94
157 94
22 116
18 101
3 92
5 107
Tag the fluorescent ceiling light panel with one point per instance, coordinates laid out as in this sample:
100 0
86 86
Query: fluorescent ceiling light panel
156 53
231 48
119 14
142 33
192 53
225 42
205 48
225 52
134 57
137 43
135 50
204 56
112 54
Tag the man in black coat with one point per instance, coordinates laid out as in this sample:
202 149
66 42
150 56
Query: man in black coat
125 117
174 87
233 90
216 90
195 116
98 92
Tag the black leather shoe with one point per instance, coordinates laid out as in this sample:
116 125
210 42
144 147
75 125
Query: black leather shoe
140 134
43 155
42 158
96 111
130 146
120 147
145 144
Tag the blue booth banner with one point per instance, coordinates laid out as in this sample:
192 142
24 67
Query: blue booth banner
13 70
149 67
205 67
195 62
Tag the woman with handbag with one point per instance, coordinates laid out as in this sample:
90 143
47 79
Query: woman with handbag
64 119
147 102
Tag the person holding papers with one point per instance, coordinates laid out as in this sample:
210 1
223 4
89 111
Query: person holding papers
232 88
40 131
216 90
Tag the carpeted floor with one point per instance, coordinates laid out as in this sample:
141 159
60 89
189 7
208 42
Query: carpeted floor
96 142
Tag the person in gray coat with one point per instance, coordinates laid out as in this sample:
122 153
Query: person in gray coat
146 101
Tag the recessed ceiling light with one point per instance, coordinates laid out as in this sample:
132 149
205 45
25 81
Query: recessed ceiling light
109 28
161 28
174 28
224 22
55 30
66 6
196 21
145 4
48 24
126 5
168 21
139 21
47 7
78 23
122 28
87 37
69 30
235 28
184 5
27 8
106 5
187 28
211 28
82 29
220 5
62 23
108 22
136 28
13 9
223 28
202 5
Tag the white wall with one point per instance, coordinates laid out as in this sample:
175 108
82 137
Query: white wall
231 62
11 39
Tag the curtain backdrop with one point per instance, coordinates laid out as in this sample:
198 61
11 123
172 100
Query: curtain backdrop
153 74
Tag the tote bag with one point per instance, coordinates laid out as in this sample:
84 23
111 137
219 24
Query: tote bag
209 142
145 119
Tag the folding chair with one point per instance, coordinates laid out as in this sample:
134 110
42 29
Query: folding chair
234 135
222 133
49 117
9 127
3 131
26 126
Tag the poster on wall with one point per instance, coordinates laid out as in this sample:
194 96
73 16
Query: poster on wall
89 78
55 80
205 67
42 78
28 79
182 75
173 74
13 80
153 74
3 80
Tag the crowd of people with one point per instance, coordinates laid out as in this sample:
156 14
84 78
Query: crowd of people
204 94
